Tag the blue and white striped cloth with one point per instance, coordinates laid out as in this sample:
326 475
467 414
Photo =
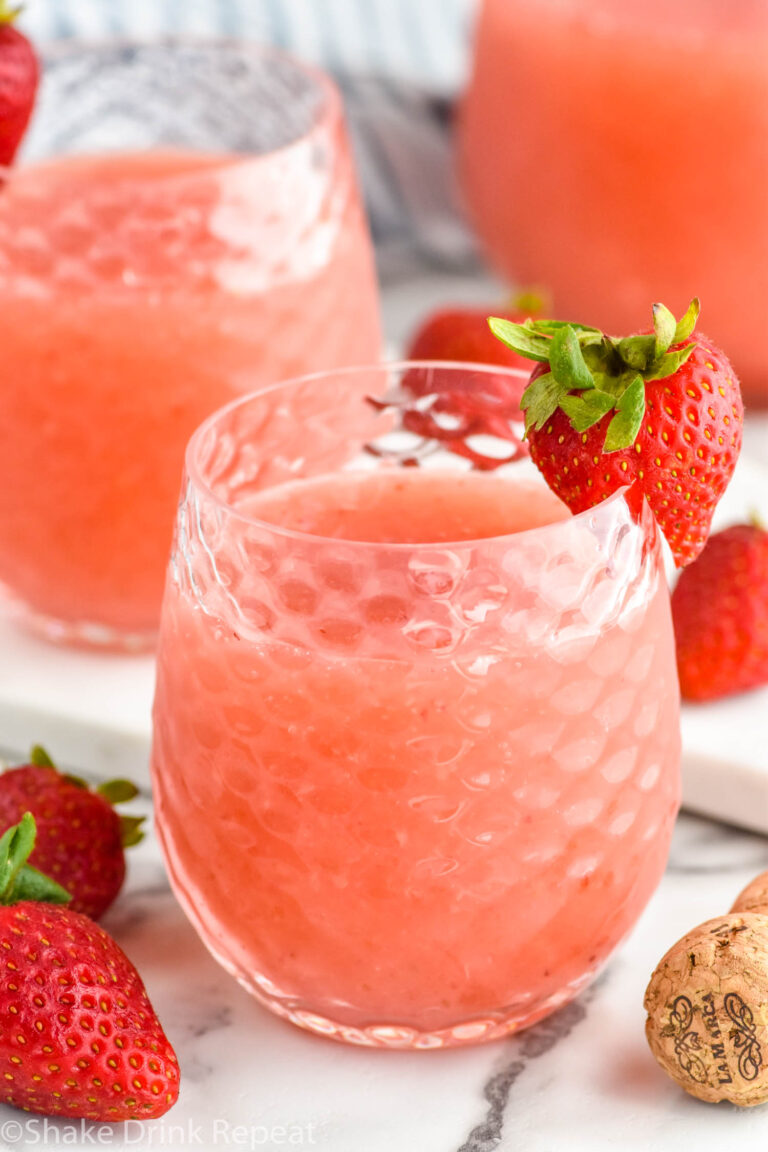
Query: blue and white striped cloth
400 65
424 42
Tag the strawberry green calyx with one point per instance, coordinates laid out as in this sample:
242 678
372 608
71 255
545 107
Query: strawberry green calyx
131 831
591 375
113 791
529 302
37 754
9 12
18 879
117 792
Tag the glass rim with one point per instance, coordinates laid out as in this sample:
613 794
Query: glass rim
193 473
329 110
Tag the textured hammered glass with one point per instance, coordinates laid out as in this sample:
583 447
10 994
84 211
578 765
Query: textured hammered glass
189 229
411 794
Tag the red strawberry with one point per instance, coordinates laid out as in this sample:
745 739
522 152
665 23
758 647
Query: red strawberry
659 409
467 405
78 1035
80 837
720 611
461 333
19 74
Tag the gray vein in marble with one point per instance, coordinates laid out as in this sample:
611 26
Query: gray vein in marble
538 1041
703 846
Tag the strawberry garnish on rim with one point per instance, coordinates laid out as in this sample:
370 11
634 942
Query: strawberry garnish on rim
660 410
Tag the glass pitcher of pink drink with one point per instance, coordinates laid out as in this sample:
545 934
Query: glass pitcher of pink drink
614 151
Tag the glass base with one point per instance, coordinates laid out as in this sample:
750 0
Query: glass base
472 1030
85 634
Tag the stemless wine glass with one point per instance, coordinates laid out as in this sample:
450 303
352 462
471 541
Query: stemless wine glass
223 247
621 133
416 729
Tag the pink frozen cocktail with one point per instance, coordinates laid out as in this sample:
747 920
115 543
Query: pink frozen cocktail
416 730
139 291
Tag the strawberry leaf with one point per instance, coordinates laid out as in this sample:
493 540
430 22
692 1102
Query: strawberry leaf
540 400
585 334
637 351
531 301
131 830
585 411
664 327
76 781
39 757
669 363
19 880
16 844
31 884
623 429
583 360
567 360
118 791
520 338
9 12
687 322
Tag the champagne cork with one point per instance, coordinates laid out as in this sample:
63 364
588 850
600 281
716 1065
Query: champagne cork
753 898
707 1005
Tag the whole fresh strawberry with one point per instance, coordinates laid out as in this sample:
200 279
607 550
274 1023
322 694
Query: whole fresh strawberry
19 74
720 612
78 1035
80 837
461 333
661 410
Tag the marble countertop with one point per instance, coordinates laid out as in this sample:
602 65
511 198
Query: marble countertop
581 1081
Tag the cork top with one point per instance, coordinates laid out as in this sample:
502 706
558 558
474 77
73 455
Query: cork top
753 898
707 1005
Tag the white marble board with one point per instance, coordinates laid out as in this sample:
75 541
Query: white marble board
94 711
